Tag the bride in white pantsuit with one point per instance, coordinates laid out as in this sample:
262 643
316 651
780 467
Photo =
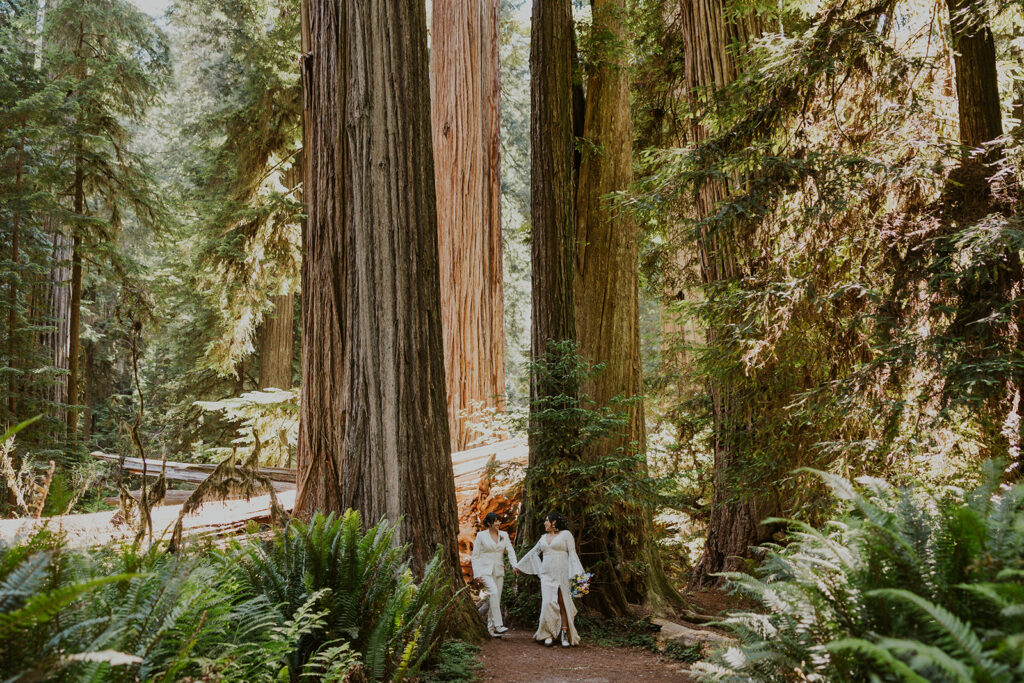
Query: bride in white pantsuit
554 559
489 568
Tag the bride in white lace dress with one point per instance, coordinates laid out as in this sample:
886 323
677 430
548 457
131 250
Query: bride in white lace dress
554 559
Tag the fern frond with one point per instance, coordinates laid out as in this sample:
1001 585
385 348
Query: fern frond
42 607
859 646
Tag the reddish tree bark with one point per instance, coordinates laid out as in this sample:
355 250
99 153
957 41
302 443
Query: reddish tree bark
374 424
277 344
607 306
465 99
977 84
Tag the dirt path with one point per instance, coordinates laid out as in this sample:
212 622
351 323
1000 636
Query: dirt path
515 657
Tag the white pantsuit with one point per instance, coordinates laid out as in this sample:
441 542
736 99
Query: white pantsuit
489 567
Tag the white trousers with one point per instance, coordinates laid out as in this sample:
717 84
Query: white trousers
492 602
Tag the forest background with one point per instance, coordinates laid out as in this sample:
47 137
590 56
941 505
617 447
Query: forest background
828 250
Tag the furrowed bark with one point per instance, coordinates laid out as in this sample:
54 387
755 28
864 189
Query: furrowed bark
465 99
607 307
276 344
553 231
734 524
374 425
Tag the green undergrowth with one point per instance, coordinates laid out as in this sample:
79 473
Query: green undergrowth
457 662
329 600
683 653
907 585
632 632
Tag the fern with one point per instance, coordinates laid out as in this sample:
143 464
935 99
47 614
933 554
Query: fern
908 585
369 598
327 600
877 653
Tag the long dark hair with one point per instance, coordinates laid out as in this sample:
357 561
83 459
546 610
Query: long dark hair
560 522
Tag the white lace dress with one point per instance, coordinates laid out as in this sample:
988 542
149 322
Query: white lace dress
555 562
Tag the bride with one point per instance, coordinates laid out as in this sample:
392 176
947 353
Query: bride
554 559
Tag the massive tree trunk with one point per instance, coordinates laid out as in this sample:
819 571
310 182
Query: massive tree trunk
277 332
607 308
374 425
734 524
969 196
465 98
977 85
276 344
968 192
553 232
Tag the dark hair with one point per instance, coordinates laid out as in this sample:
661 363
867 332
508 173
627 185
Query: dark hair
560 522
490 519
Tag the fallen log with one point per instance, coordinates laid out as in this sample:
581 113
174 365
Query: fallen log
179 496
473 488
98 528
194 472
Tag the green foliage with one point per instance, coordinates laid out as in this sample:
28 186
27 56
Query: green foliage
521 597
456 661
363 586
77 78
600 490
240 174
271 417
683 653
908 585
514 61
859 315
620 631
328 600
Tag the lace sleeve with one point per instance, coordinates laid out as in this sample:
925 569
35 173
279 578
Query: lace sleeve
575 566
530 562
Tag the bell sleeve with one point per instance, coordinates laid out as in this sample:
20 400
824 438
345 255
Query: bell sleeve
477 550
530 562
511 551
575 566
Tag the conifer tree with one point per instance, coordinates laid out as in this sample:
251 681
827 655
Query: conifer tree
111 61
374 426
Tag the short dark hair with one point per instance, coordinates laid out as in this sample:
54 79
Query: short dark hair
560 522
490 519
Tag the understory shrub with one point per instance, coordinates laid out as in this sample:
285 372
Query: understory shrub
456 662
325 601
908 585
359 580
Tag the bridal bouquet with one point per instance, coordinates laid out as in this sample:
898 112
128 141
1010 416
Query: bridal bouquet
580 584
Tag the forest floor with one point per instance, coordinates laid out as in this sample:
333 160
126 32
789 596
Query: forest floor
516 657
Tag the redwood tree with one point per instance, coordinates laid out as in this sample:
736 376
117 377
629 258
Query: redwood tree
735 520
373 425
977 85
465 97
276 343
553 231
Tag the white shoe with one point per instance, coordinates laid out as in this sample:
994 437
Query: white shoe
494 634
549 642
565 638
501 629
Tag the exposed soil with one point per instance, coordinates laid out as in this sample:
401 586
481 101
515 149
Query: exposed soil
517 657
713 601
